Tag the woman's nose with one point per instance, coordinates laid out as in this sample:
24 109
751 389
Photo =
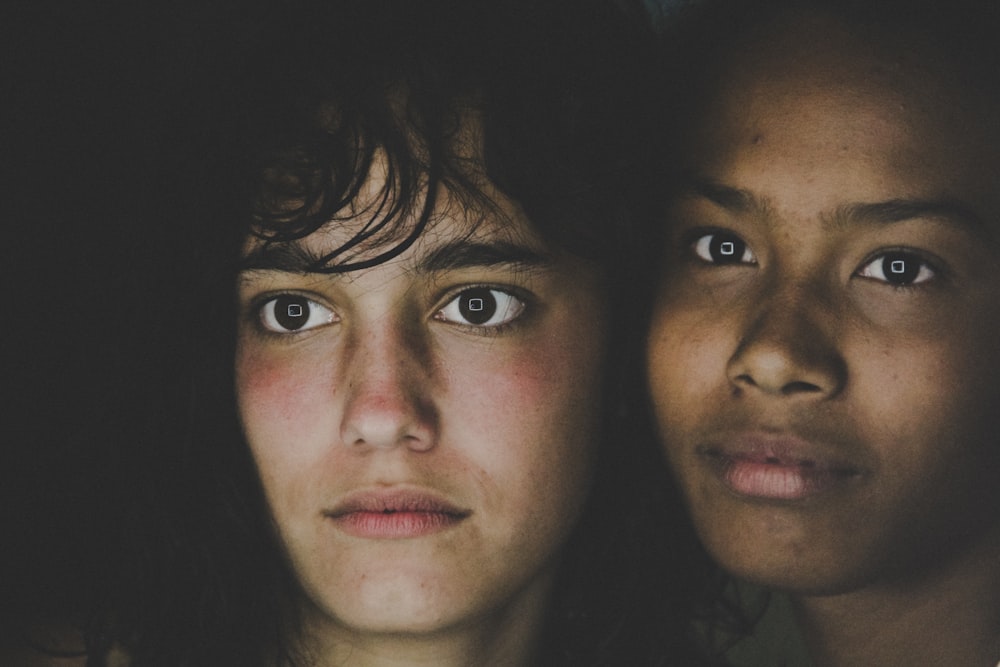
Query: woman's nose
389 391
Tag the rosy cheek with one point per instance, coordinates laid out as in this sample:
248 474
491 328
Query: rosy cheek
541 389
271 389
553 366
530 374
281 407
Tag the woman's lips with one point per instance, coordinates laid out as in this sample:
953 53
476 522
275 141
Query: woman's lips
394 514
777 468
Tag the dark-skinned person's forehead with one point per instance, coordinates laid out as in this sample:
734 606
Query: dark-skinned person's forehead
924 52
957 38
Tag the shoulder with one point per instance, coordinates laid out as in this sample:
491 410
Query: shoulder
53 647
27 656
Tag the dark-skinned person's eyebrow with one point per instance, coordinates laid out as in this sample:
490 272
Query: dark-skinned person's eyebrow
951 212
728 197
464 254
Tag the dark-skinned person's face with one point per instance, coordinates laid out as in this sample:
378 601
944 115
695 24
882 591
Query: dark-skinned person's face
823 354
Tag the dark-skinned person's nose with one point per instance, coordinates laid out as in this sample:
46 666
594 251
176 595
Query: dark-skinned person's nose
788 351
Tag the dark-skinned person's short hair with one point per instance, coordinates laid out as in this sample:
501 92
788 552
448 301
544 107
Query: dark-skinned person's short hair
274 137
700 35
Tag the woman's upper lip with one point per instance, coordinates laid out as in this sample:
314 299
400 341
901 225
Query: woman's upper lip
389 500
782 449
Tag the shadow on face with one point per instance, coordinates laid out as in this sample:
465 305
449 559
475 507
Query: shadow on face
822 346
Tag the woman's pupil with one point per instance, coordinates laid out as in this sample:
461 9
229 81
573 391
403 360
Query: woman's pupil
292 312
477 305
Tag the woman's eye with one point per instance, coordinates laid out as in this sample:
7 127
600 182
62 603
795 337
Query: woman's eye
723 248
481 307
291 313
900 269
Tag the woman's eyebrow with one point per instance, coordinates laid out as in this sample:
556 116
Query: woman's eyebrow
292 257
464 254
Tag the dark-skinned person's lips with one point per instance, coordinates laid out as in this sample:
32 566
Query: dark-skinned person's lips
777 466
394 513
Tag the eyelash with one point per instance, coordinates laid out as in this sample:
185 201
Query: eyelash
903 254
258 313
700 243
523 305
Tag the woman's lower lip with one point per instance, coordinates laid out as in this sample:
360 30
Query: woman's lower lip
777 481
395 525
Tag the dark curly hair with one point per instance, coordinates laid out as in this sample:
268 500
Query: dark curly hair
273 134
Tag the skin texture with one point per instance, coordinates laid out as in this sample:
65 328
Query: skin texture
391 391
803 355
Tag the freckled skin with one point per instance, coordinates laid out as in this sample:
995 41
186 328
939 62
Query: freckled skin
901 382
503 424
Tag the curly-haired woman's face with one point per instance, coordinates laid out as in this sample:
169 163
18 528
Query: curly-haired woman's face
424 429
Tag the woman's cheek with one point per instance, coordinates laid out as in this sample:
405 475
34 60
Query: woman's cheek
276 394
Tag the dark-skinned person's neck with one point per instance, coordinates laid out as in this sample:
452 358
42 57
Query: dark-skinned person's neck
949 616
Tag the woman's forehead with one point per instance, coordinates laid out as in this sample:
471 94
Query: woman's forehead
456 225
